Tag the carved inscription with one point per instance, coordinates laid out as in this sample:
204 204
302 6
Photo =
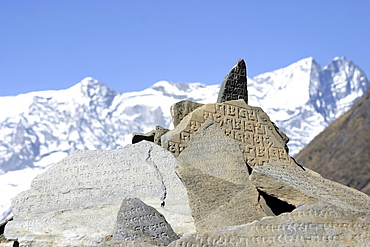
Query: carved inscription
234 86
313 225
138 221
248 125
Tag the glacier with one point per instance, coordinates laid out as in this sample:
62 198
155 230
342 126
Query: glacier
39 129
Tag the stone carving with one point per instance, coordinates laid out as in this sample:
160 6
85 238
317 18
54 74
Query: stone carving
87 186
216 177
216 202
257 136
238 187
138 221
234 86
181 109
297 187
159 132
309 225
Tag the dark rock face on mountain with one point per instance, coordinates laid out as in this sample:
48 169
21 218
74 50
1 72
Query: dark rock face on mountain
342 151
222 177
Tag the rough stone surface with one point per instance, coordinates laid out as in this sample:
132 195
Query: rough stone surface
159 132
309 225
181 109
69 198
137 221
216 177
234 86
216 202
257 136
297 187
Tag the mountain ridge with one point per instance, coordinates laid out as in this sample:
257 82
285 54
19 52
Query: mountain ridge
51 125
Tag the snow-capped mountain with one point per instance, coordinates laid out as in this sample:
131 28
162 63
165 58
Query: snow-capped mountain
40 128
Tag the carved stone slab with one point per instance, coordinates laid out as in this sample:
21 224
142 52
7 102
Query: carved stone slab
182 108
293 185
216 178
310 225
212 152
86 187
216 202
137 221
234 86
257 136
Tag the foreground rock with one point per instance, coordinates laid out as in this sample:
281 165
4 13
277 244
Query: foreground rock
216 177
64 203
309 225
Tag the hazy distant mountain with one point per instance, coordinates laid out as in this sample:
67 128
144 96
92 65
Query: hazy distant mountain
41 128
342 151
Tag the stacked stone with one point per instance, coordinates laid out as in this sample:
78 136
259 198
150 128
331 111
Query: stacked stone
222 177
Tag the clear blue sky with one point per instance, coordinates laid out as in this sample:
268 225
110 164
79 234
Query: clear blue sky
130 45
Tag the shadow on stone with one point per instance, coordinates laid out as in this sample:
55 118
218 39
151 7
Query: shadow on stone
277 206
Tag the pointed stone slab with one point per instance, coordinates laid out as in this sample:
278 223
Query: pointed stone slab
309 225
298 187
215 202
86 187
250 126
234 86
137 221
212 152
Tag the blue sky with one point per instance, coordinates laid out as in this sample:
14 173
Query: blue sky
130 45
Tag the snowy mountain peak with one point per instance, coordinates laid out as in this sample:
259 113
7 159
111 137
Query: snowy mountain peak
40 128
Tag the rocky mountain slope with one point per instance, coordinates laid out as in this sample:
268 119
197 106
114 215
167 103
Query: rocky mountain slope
40 128
342 151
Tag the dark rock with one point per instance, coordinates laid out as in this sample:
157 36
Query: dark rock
234 86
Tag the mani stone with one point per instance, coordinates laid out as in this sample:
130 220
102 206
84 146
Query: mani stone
297 187
234 86
216 178
250 126
67 200
182 108
159 132
308 225
137 221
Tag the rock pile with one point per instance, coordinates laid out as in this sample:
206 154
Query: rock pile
222 177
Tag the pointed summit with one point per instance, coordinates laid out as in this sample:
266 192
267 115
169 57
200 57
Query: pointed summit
234 86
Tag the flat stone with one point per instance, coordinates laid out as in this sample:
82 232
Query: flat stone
309 225
137 221
212 152
258 138
234 86
181 109
215 202
297 187
67 200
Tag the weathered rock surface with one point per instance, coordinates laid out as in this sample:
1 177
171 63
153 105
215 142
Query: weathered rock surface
216 178
309 225
234 86
298 187
257 136
89 186
137 221
181 109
